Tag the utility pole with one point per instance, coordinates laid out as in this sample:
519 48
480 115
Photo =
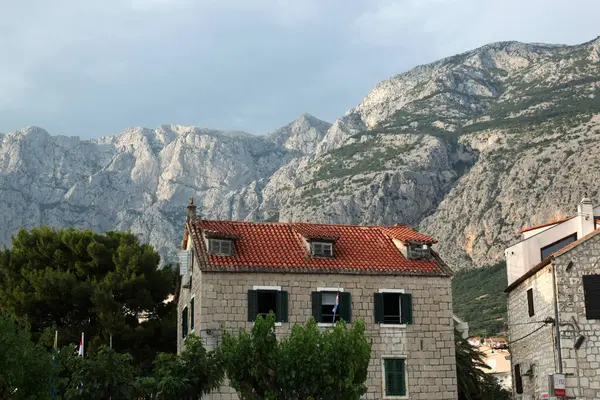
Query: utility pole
556 324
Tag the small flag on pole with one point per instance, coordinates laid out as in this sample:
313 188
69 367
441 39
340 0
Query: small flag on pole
81 343
337 302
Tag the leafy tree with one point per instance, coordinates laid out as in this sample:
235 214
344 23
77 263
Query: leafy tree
25 367
473 382
104 375
190 375
100 284
308 364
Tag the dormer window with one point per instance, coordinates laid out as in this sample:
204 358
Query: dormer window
221 247
321 249
418 251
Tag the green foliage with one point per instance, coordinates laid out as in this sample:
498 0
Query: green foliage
472 381
309 364
25 367
479 298
100 284
104 375
190 375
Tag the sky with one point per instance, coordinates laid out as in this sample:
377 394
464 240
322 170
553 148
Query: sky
93 68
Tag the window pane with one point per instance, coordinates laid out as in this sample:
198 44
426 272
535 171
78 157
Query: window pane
591 290
546 251
391 308
266 302
328 298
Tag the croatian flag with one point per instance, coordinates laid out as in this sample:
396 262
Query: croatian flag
337 302
81 341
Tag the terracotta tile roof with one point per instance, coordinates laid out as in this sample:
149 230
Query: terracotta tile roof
281 247
558 221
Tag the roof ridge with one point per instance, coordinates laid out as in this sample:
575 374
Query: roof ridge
240 222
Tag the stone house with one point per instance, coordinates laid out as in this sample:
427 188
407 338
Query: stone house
232 271
554 275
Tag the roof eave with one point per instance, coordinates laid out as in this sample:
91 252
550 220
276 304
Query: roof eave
530 273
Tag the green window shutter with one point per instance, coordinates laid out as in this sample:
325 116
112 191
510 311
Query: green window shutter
395 377
402 375
184 322
282 306
252 305
192 314
316 306
346 306
406 308
378 307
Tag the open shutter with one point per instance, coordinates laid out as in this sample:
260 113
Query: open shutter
378 307
346 306
184 322
282 306
252 304
192 312
406 312
316 306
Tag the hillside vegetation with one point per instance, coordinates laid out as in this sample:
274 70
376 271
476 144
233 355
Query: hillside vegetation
479 299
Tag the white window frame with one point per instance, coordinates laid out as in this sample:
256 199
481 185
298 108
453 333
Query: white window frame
393 326
323 243
328 289
397 356
263 287
220 240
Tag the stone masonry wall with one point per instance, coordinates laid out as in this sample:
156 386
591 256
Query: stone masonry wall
427 344
581 367
536 349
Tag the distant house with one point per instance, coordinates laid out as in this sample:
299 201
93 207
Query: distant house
498 361
554 275
233 271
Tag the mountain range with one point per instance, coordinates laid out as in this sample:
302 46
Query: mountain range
469 149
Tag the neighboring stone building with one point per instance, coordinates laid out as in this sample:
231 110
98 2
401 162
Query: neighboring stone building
389 276
554 274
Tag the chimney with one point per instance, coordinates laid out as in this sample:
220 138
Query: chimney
585 215
191 210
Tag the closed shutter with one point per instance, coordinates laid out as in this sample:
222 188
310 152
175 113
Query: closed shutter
530 308
378 307
518 379
316 306
591 290
406 309
395 377
252 305
346 306
282 306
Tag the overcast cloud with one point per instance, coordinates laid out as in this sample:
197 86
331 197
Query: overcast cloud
92 68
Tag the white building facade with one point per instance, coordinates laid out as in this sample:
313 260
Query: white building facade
554 275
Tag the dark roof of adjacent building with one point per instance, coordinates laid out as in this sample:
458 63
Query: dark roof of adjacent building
282 247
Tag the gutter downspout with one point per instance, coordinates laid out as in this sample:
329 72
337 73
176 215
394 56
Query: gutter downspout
556 324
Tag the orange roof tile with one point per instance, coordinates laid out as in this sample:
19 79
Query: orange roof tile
281 247
545 224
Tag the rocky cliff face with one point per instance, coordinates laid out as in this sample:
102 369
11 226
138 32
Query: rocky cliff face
470 148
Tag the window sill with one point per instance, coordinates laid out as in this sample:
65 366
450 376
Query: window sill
276 323
394 326
325 324
404 397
